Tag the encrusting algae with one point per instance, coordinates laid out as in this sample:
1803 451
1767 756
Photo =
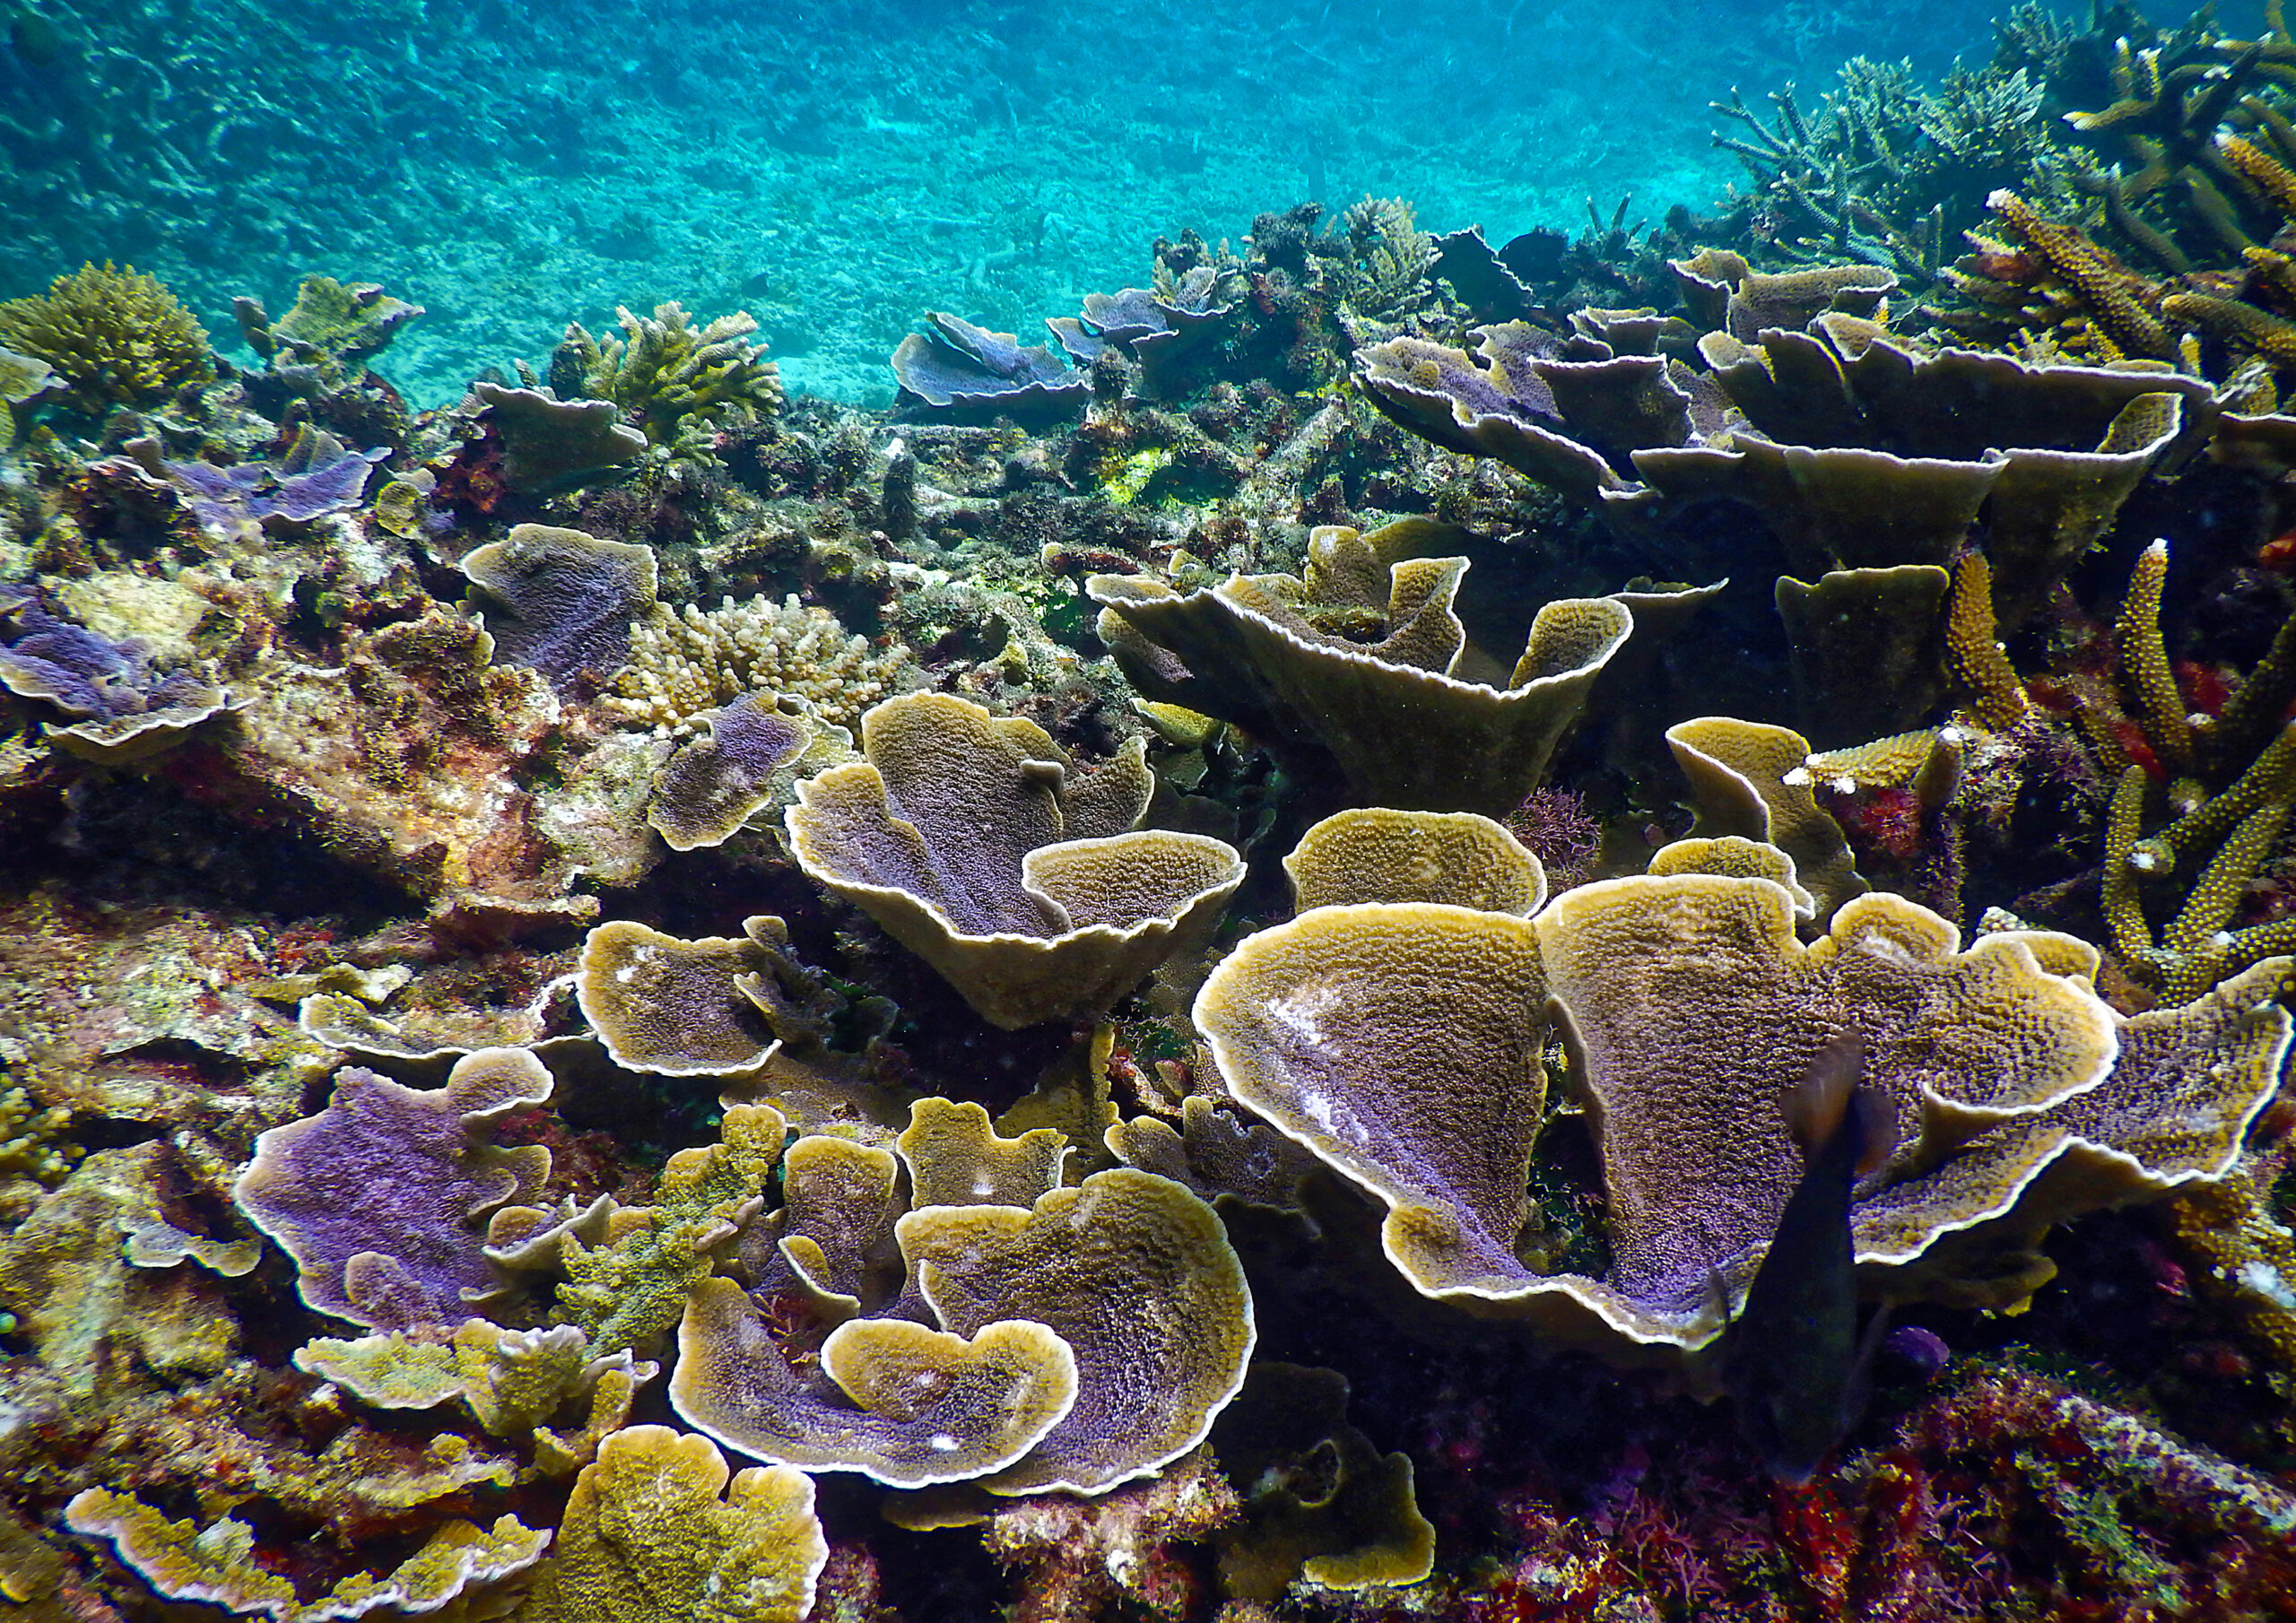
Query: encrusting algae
1182 1002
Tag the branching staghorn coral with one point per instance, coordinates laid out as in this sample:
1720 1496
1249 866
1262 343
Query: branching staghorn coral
2230 779
678 382
685 662
115 337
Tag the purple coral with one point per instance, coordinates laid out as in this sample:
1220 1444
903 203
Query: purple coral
962 366
316 476
43 655
378 1196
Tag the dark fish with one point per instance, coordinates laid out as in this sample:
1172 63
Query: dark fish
1792 1361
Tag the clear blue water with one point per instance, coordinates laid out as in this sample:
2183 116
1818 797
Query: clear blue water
838 167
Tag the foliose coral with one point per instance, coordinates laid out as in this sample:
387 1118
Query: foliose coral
2014 1084
1030 890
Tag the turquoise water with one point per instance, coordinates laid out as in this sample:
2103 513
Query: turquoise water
837 169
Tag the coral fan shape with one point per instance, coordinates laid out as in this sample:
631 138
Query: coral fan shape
975 844
1693 1010
550 445
1373 855
120 708
376 1196
566 599
1393 717
658 1530
904 1403
1350 1028
962 366
1690 1010
672 1006
1751 781
1136 1275
2184 1087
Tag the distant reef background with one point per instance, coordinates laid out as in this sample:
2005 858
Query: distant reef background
836 166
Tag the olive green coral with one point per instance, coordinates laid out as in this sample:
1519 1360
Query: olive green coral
649 1539
117 337
187 1562
33 1153
675 380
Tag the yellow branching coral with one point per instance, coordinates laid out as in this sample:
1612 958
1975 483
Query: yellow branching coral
1973 654
117 337
677 381
684 662
628 1288
2242 326
657 1533
2144 660
2106 289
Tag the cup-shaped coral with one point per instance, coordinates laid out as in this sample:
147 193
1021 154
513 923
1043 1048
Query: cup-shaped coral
976 845
1048 1338
1401 1043
1405 719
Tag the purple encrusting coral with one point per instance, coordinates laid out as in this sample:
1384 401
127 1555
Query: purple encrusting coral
377 1196
45 656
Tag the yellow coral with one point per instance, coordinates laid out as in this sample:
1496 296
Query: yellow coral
648 1539
118 338
683 662
626 1291
1973 654
2077 262
676 379
33 1155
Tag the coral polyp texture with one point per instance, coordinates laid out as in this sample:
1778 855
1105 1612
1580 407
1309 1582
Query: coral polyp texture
1689 1009
1354 920
968 838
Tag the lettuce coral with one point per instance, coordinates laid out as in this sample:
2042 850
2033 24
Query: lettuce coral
376 1196
1689 1008
1480 727
976 845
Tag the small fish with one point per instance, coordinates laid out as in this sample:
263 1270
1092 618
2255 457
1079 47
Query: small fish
1792 1361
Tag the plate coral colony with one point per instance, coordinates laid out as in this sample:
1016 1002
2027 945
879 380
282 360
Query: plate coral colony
1579 928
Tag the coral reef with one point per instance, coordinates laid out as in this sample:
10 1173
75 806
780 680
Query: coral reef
1262 1087
114 337
684 662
